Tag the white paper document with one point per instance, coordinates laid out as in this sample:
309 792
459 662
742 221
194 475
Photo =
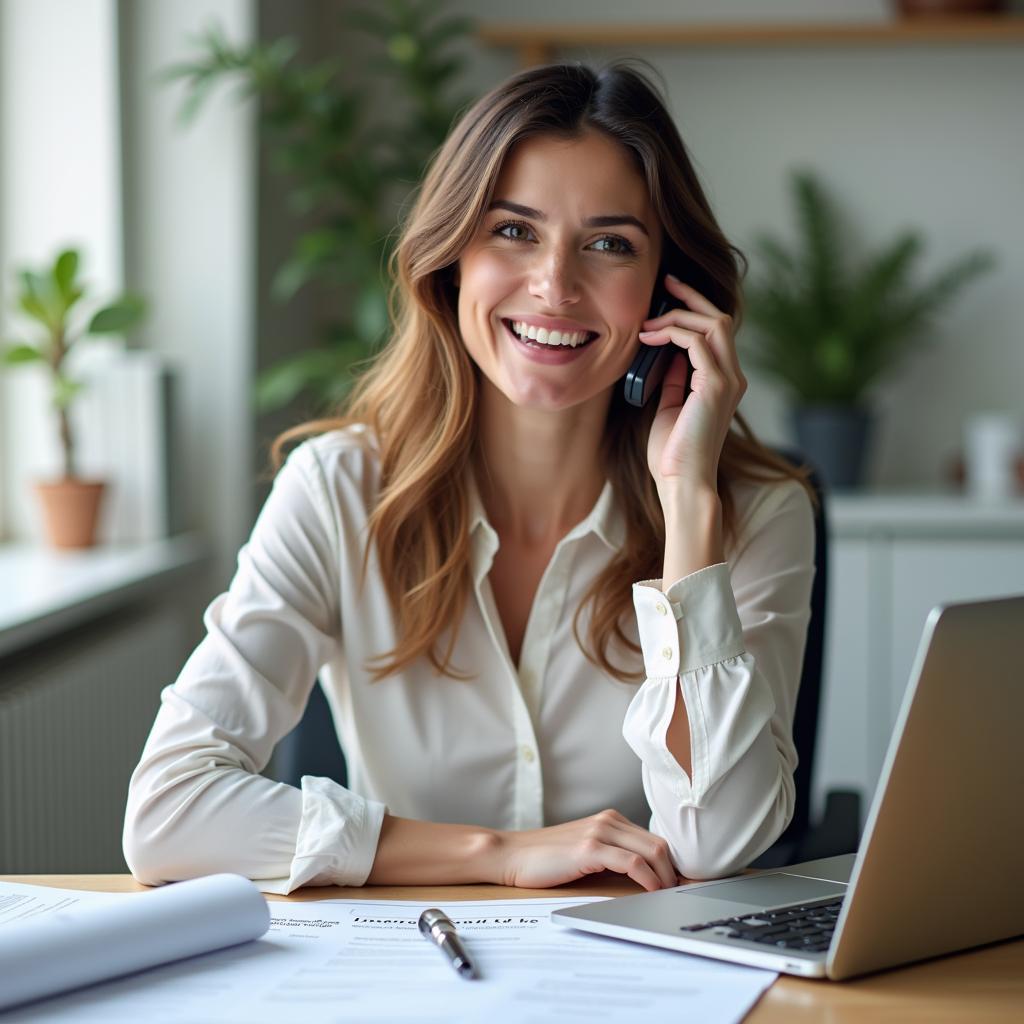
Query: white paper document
363 960
54 947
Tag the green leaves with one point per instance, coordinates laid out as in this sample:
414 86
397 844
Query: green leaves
829 332
219 58
311 370
342 159
64 390
47 296
18 353
118 316
371 315
64 271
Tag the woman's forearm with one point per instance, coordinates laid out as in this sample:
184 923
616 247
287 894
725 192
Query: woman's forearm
411 852
693 532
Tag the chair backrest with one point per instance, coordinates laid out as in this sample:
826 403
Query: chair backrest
805 718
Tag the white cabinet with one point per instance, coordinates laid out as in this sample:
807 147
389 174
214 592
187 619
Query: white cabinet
892 559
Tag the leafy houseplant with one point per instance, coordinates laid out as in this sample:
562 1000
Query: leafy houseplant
828 333
343 165
70 504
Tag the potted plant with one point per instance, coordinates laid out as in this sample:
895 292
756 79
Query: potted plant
70 504
828 333
346 168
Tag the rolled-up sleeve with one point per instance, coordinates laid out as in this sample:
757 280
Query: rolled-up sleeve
730 639
196 801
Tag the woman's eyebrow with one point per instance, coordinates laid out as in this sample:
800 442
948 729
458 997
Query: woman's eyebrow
607 220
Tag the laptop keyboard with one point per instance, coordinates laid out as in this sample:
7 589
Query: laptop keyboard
806 927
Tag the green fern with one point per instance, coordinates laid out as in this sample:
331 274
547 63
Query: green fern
828 333
343 167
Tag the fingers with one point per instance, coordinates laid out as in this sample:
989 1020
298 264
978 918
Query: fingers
716 333
614 858
652 848
702 356
705 316
673 385
614 830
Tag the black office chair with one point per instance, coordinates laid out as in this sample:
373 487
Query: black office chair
311 748
839 830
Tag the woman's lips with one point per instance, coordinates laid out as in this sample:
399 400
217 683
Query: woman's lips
549 354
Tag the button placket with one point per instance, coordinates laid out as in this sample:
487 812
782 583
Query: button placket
540 627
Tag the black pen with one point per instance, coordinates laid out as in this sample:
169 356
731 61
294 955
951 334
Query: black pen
436 926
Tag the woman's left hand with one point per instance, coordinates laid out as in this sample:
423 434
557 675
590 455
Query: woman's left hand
686 437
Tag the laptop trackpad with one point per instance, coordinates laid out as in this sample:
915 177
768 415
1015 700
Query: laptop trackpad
767 890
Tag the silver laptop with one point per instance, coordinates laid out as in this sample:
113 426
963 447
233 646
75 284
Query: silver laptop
939 866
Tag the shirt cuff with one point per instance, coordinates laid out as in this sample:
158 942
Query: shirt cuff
692 624
337 838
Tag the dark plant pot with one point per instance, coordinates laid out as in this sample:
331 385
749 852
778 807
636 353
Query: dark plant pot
933 8
834 438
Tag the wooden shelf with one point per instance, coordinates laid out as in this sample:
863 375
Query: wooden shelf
537 44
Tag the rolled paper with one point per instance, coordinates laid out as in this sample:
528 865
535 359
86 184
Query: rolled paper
104 939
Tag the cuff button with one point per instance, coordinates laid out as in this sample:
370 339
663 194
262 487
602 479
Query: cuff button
666 652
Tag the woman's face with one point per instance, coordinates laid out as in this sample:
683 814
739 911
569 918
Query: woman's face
547 251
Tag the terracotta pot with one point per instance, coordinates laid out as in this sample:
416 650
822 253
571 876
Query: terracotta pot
71 510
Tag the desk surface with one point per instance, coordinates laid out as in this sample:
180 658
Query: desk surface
984 985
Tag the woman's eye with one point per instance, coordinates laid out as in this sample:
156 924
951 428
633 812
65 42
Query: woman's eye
501 228
626 248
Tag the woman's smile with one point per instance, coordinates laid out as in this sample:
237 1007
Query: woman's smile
545 352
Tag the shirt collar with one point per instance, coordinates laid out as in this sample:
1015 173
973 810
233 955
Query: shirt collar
605 519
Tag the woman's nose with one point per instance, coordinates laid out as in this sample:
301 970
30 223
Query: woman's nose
555 279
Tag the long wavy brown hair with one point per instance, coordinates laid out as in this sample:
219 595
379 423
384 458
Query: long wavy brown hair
419 395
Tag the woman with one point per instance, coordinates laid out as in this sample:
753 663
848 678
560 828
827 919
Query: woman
458 556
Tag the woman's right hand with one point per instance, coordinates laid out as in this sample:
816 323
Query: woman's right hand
607 841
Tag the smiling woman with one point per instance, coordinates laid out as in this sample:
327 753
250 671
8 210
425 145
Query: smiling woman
437 551
560 257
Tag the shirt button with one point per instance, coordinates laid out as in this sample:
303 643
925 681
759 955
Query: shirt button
660 609
666 652
528 754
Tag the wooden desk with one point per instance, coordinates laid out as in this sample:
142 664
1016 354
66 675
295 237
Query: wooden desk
980 986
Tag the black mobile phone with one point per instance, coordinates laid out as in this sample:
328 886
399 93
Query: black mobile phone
652 361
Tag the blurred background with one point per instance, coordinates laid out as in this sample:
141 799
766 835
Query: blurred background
197 200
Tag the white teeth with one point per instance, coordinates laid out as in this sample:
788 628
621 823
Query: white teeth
546 337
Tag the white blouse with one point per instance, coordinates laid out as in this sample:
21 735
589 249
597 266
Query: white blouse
549 741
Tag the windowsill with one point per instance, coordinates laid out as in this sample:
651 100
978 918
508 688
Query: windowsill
45 591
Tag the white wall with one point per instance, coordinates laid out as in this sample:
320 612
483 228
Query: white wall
93 154
190 246
61 185
930 137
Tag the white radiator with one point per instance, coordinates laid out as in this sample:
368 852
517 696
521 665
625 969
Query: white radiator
74 715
